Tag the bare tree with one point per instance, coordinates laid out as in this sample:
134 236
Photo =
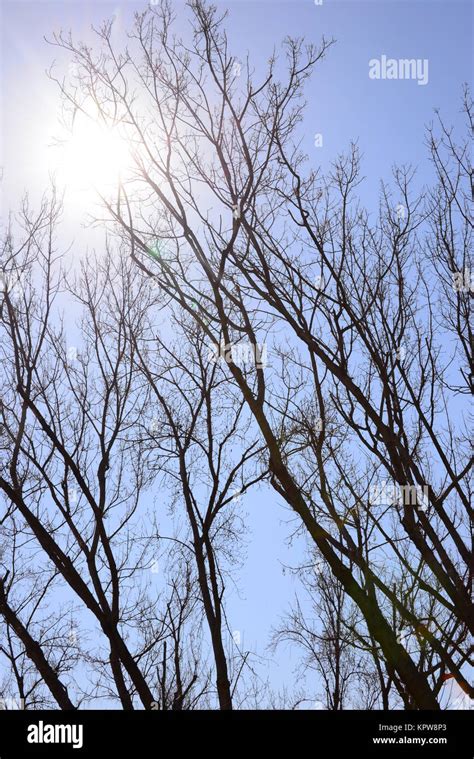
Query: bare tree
250 266
33 638
80 452
288 255
325 638
203 432
181 683
351 420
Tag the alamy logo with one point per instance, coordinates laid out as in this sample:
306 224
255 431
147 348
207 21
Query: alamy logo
240 354
42 733
401 68
391 493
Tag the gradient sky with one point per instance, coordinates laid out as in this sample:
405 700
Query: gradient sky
343 104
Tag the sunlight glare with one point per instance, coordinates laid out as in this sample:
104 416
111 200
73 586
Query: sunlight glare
95 157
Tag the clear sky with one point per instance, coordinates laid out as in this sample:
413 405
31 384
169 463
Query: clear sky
343 104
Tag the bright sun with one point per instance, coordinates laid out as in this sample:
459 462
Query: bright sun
95 157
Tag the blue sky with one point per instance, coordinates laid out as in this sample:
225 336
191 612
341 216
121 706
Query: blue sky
343 104
387 117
